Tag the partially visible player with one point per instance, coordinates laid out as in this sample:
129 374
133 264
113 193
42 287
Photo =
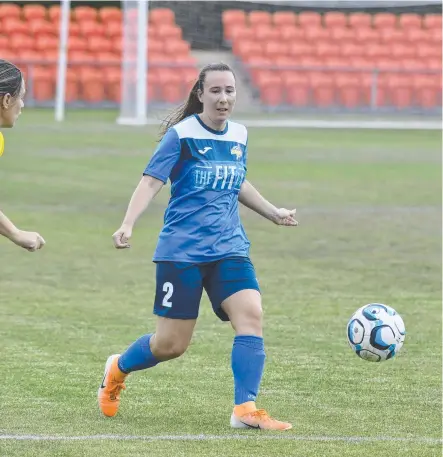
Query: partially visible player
12 92
202 245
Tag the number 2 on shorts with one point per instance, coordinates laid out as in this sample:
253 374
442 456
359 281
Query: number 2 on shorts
169 289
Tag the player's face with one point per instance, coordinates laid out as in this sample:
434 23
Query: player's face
218 97
11 107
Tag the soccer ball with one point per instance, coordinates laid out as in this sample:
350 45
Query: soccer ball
376 332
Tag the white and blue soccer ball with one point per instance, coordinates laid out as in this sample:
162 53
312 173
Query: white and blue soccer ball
376 332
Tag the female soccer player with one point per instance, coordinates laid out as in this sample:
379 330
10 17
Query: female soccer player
202 245
12 92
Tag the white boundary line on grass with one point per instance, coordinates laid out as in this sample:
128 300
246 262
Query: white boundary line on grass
285 437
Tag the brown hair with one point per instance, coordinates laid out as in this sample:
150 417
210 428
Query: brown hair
192 105
10 79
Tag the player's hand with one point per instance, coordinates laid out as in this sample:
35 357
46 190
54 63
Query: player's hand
121 237
285 217
31 241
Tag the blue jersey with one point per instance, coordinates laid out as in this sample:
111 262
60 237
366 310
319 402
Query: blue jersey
206 168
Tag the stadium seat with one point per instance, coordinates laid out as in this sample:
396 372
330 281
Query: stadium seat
436 36
351 50
296 88
89 28
342 35
43 27
162 16
275 48
432 21
301 49
384 20
403 51
46 43
43 84
19 42
427 91
290 34
54 13
110 14
168 32
314 34
177 47
13 26
326 49
77 44
265 33
85 13
92 88
366 36
32 12
335 20
360 20
410 21
348 88
284 18
99 44
417 36
114 29
309 19
390 35
259 18
232 19
9 11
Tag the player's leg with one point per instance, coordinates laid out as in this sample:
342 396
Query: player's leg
234 292
178 294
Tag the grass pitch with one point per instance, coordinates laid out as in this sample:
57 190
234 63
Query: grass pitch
369 207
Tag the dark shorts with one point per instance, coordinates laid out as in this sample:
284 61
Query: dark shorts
180 285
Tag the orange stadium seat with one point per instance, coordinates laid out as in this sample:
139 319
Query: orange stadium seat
314 34
162 16
10 11
232 19
110 14
309 19
348 87
275 48
366 35
42 27
335 20
410 21
43 84
301 49
99 44
432 21
289 33
112 78
436 36
77 44
90 28
284 18
177 47
259 18
19 42
342 35
297 88
47 43
114 29
400 90
33 12
390 35
156 46
54 13
14 26
360 20
168 32
384 20
266 33
85 13
92 88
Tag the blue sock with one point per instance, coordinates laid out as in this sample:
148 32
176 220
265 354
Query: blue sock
138 356
248 360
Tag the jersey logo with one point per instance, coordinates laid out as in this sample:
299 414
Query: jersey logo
237 152
205 150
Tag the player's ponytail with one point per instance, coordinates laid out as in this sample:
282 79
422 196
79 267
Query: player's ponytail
192 105
10 79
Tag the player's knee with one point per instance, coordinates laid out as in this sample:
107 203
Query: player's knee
248 319
167 349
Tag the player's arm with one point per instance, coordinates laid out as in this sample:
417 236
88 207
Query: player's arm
155 176
250 197
31 241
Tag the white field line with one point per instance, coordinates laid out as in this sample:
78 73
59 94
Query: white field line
259 436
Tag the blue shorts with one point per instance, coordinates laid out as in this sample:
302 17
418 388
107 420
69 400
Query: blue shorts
180 285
